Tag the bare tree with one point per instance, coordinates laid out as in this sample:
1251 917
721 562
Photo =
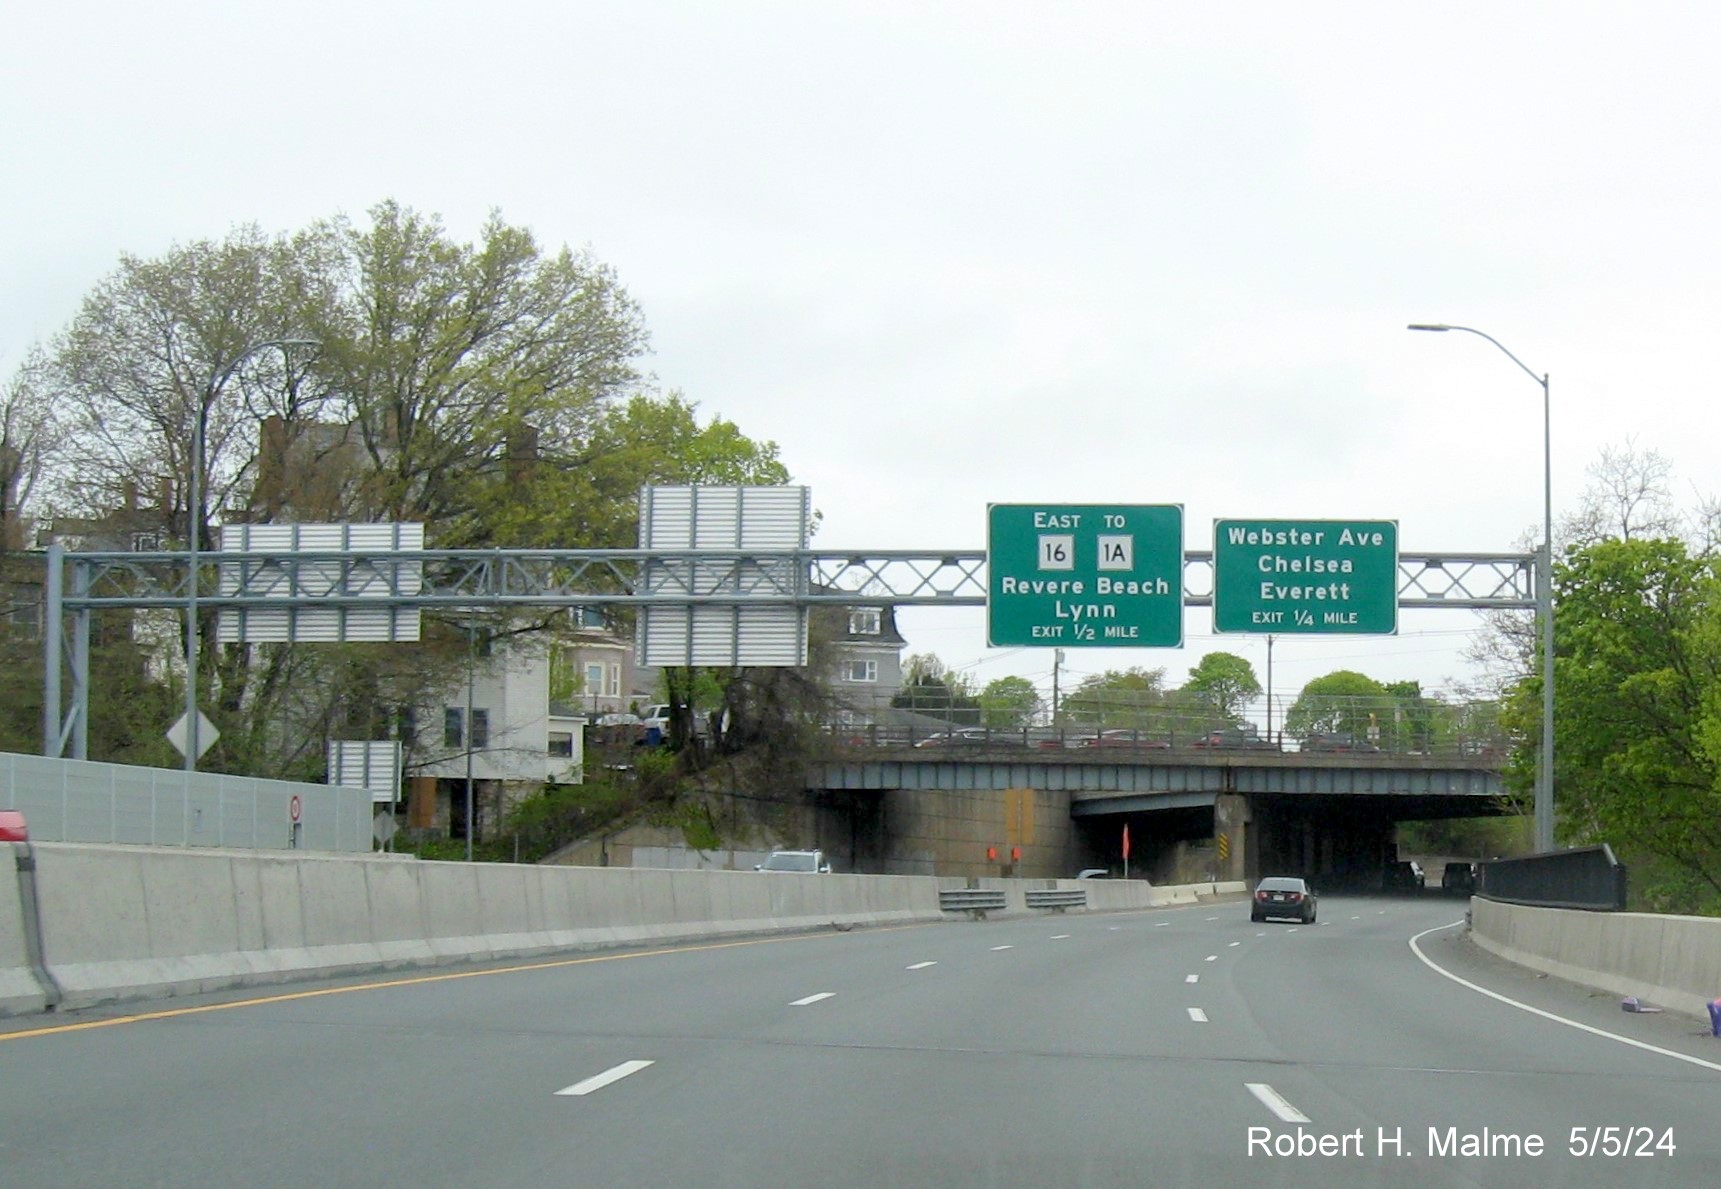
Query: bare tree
153 351
1629 497
31 438
1706 531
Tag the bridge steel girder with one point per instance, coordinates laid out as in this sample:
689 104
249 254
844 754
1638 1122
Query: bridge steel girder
1092 784
1371 781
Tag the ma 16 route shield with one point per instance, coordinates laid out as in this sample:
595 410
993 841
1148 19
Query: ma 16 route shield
1084 575
1310 577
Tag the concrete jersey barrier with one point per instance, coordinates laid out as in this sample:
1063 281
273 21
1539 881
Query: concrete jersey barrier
20 991
1670 961
128 921
123 922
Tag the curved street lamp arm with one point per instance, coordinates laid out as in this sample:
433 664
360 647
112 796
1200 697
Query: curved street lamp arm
1542 380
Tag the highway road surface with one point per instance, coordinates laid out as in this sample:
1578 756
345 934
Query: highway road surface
1177 1047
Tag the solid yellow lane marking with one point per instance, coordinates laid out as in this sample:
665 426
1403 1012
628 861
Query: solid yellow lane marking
413 981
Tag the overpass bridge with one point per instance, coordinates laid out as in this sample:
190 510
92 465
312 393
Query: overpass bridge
1225 814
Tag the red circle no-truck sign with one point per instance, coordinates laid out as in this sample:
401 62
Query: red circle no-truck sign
294 808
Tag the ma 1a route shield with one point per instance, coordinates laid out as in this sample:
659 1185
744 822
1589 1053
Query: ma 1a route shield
1084 575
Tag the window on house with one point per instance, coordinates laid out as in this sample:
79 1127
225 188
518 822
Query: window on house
864 621
453 726
561 743
860 670
480 729
594 680
589 617
614 688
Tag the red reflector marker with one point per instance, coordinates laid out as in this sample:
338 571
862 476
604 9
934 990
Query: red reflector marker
12 827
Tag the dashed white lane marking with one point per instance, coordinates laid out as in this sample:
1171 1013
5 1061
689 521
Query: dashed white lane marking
1292 929
922 965
1234 945
1196 1015
1060 937
1275 1102
1113 928
813 998
599 1081
1260 935
996 948
1160 924
1211 958
1212 918
1548 1015
1356 918
1192 978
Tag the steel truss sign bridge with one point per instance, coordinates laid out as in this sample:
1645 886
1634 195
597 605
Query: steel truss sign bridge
465 582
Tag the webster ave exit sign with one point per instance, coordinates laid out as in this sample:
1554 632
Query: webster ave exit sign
1306 576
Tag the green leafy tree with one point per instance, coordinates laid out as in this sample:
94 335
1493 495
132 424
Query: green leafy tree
1009 703
929 686
584 493
1638 715
1343 701
1225 682
490 389
1132 697
1410 722
31 439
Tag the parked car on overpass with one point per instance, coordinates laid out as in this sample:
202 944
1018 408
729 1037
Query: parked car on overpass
1337 741
1127 738
1234 737
969 737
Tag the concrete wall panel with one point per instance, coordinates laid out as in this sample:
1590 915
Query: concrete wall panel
282 907
451 909
396 908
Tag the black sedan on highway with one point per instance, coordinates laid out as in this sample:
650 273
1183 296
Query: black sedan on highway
1283 896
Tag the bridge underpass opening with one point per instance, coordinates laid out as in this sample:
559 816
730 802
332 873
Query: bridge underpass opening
1166 846
1344 842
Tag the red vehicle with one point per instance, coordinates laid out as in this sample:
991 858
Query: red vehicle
1124 737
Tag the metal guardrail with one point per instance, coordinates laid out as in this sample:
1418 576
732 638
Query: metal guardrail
1057 899
977 901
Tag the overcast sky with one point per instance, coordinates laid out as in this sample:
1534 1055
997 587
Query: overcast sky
954 254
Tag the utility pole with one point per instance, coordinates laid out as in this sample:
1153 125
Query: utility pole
1269 689
1057 660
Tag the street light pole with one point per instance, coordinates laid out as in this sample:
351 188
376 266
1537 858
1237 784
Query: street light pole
1544 594
218 377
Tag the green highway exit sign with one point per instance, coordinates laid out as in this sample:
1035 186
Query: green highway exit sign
1084 575
1311 576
